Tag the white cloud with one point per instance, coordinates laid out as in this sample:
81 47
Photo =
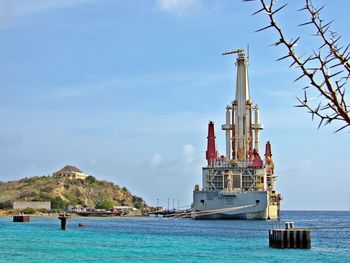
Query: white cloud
188 153
170 175
178 7
156 161
185 160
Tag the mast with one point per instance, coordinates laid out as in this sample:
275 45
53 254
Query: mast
245 117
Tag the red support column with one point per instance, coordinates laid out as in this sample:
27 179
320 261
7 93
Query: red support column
211 153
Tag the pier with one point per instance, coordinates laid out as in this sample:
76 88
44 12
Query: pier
171 213
290 237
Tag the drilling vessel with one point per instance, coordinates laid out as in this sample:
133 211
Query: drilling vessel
238 185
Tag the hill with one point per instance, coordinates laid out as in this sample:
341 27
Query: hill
64 191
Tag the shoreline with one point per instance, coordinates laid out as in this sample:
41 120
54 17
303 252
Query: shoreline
72 215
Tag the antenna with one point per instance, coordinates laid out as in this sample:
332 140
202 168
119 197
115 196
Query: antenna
248 51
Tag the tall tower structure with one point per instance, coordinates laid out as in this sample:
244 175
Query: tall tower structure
242 118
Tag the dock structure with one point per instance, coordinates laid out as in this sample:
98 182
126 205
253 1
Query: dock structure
21 218
171 213
64 218
290 237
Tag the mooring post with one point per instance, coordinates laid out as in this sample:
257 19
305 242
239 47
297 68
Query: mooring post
290 237
64 218
21 218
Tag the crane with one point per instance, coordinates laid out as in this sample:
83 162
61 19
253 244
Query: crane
239 51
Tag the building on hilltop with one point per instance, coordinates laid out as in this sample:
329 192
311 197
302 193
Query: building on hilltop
71 172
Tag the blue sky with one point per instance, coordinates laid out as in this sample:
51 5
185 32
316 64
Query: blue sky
124 90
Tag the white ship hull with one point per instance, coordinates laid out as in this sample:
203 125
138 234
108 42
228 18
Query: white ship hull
216 204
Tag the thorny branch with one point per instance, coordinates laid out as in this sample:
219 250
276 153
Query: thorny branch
332 101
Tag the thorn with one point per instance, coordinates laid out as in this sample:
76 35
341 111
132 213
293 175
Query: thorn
339 49
321 121
336 65
329 23
329 60
312 115
260 10
335 74
291 65
299 78
304 24
319 10
318 107
295 41
279 9
325 29
335 41
328 121
342 128
276 43
346 49
325 107
305 97
309 59
283 57
261 29
301 105
342 85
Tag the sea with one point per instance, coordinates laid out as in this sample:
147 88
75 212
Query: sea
146 239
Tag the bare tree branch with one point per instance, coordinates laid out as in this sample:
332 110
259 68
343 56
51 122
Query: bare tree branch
332 104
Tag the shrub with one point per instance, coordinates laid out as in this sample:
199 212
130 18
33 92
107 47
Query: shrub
90 179
58 203
5 205
72 197
138 204
28 210
105 204
138 201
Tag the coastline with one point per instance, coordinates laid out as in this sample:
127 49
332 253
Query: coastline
4 214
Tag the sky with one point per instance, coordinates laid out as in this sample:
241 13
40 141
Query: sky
124 91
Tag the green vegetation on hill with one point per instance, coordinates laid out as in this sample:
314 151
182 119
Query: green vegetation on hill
63 192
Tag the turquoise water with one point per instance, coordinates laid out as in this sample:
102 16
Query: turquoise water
171 240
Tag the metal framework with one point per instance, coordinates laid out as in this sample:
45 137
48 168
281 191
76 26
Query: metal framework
216 178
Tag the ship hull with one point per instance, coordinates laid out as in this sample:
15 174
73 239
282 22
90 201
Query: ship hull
230 205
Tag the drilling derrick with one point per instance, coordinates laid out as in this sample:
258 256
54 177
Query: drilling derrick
239 184
242 119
